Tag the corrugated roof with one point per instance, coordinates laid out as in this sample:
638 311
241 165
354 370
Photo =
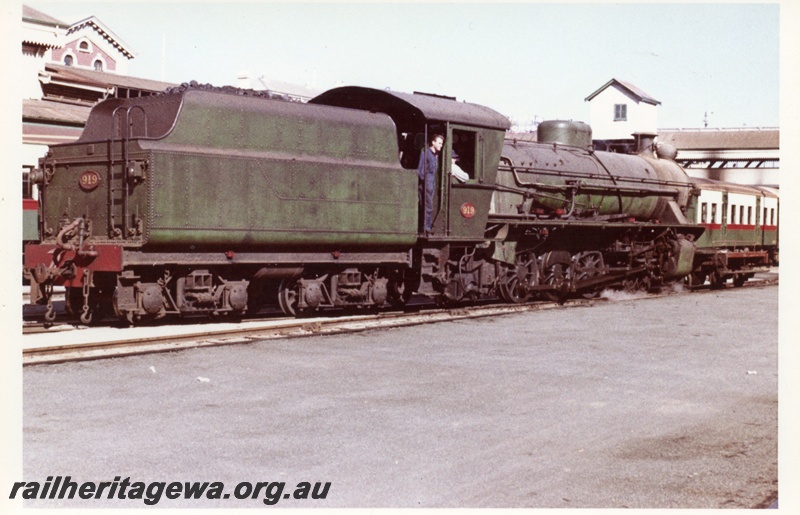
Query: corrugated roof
721 139
640 95
102 79
45 110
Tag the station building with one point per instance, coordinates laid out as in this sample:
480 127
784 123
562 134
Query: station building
748 156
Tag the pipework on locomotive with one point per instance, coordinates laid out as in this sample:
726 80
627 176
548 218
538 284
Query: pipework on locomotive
202 201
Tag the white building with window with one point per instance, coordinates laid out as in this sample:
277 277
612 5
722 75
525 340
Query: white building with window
617 110
91 45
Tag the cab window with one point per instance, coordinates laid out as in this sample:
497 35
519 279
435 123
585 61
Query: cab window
464 144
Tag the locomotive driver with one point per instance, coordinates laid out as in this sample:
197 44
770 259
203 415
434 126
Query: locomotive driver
456 171
428 164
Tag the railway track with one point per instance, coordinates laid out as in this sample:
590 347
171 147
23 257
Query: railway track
146 340
64 342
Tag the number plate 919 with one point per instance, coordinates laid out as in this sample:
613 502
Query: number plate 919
89 180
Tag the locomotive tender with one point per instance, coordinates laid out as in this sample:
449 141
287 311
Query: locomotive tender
199 201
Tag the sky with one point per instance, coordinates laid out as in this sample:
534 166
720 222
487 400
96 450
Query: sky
714 62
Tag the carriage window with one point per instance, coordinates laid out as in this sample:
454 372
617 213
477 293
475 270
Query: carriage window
772 216
733 215
749 215
714 213
703 212
764 218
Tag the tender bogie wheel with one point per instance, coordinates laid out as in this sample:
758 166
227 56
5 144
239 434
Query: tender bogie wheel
739 280
399 293
287 297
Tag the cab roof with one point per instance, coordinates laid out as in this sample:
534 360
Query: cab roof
407 108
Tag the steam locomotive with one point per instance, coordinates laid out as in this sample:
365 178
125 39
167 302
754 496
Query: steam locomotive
201 201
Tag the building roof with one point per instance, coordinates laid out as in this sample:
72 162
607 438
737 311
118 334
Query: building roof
721 139
59 112
634 91
31 15
104 31
286 88
41 30
79 76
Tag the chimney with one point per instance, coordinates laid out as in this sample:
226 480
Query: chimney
645 143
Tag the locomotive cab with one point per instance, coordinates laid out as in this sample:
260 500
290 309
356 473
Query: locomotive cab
475 133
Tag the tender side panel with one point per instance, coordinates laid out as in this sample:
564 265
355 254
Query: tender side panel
248 172
225 200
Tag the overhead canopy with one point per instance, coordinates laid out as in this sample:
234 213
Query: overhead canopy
410 109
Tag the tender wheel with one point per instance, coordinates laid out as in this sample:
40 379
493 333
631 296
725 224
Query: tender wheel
739 280
516 286
287 297
399 295
399 291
